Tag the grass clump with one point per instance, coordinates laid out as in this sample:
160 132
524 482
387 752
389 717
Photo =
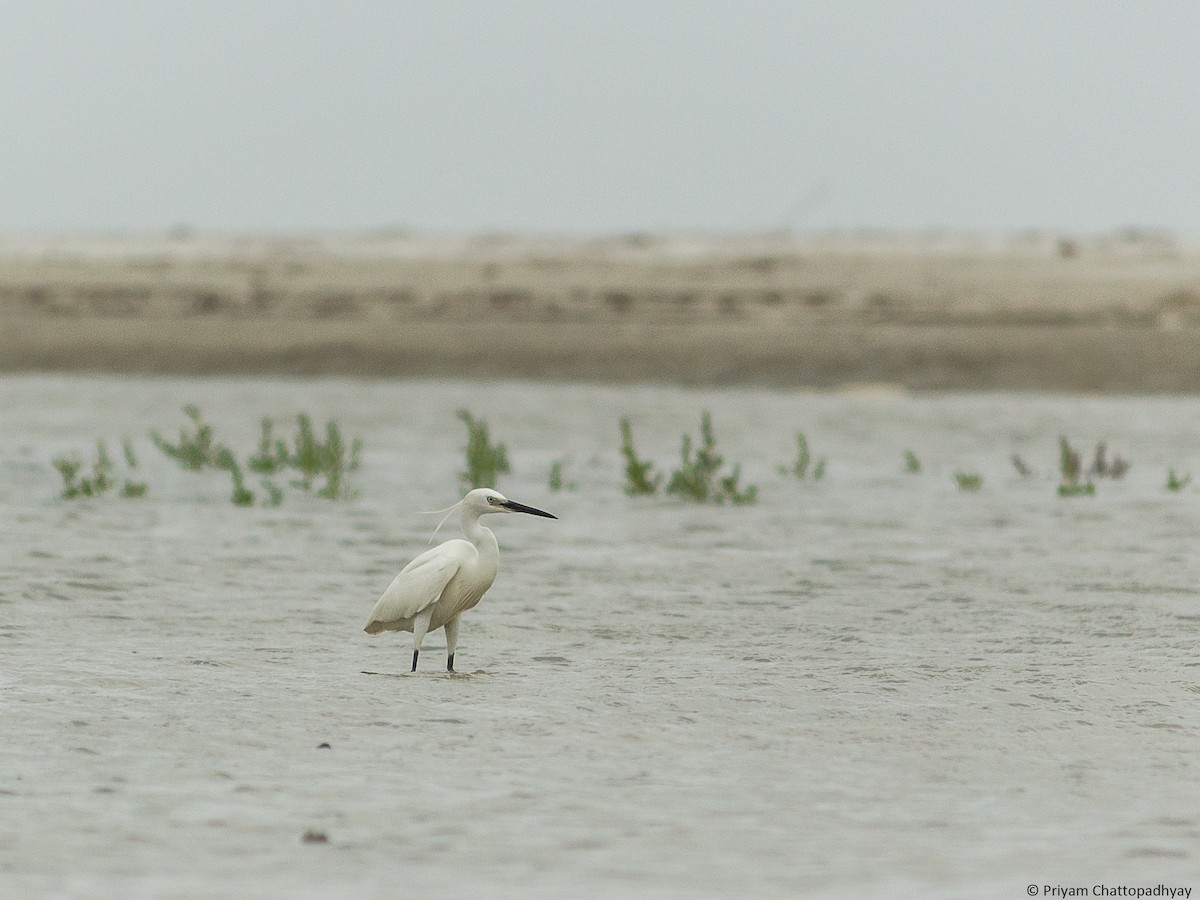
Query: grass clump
1072 483
328 459
242 495
272 455
1103 467
100 479
486 461
335 487
74 486
314 459
912 465
1175 483
698 477
640 477
309 456
130 488
799 468
968 481
196 449
557 481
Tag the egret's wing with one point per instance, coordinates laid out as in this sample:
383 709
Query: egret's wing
419 584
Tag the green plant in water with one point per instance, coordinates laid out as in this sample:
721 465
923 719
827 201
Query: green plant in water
556 480
272 455
968 481
800 465
697 477
196 449
311 457
76 486
242 495
308 458
130 488
912 465
1175 484
127 451
486 461
274 493
68 467
640 477
337 461
1070 468
100 480
1102 467
102 469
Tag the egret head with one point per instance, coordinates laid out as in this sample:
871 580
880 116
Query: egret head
486 500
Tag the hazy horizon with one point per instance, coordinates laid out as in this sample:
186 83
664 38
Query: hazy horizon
585 119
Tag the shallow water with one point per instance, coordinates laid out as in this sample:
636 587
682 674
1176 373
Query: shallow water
874 684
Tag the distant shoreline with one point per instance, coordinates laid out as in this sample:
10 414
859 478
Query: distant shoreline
1104 317
1067 358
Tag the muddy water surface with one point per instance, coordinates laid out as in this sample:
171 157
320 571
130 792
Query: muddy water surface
870 685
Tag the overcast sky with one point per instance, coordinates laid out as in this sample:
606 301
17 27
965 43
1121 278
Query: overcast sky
606 116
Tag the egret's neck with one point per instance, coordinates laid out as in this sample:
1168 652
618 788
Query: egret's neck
477 534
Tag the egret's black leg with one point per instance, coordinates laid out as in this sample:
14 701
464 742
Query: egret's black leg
416 653
451 642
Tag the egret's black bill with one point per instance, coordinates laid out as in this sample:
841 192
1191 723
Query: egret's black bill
521 507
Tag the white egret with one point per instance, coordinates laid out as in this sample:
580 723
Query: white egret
445 581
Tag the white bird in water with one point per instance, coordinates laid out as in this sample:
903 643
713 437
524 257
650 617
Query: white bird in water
445 581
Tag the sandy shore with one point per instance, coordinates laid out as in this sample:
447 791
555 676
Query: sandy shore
1115 315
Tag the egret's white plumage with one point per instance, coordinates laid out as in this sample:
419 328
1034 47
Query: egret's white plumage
433 590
